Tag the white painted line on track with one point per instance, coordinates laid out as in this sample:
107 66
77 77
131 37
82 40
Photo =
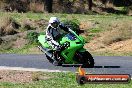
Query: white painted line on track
29 69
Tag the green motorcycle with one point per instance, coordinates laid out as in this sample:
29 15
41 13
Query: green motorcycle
72 51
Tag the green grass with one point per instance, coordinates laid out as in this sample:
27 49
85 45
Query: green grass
80 17
110 53
89 37
61 80
102 20
101 23
93 32
23 50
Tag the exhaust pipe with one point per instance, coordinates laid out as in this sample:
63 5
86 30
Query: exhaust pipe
45 50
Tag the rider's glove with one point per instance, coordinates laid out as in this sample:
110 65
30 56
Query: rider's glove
58 48
63 46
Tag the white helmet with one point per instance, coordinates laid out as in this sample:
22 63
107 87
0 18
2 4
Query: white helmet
53 19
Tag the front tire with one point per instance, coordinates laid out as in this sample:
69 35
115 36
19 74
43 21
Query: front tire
86 59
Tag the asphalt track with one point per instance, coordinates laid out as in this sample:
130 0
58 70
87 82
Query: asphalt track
103 64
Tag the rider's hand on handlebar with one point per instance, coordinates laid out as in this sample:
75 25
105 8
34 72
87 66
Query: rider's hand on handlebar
63 46
66 44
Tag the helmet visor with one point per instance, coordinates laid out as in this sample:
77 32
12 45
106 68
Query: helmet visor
55 24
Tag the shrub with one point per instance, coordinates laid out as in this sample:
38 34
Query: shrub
73 24
5 45
16 5
1 41
130 10
8 26
28 24
32 37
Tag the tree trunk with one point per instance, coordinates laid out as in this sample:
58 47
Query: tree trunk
48 5
90 4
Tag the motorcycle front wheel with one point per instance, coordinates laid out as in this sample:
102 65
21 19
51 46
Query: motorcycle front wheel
85 58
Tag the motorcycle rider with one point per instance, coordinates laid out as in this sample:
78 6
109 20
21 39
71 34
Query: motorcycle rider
53 32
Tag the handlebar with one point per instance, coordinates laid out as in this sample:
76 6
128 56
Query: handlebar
64 46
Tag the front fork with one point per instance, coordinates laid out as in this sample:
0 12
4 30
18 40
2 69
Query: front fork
78 56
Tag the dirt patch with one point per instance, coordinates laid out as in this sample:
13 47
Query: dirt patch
86 25
19 43
29 24
116 38
21 76
13 41
15 76
20 40
117 31
125 46
121 46
94 45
